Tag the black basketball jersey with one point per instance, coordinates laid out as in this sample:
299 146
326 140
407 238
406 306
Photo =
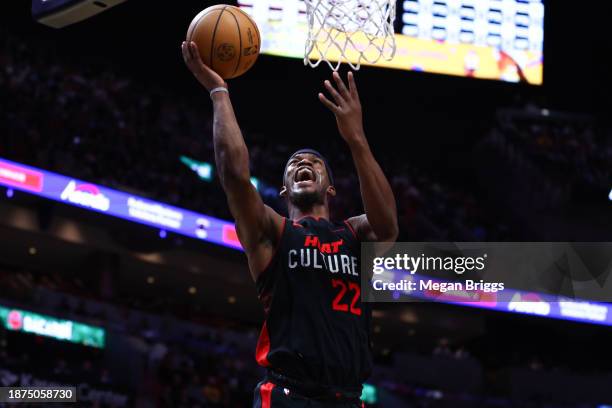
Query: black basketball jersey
316 329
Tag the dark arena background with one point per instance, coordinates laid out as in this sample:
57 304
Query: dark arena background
164 314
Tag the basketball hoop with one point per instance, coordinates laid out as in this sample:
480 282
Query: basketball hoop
349 31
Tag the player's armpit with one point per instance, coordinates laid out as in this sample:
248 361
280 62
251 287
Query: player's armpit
365 232
362 228
257 225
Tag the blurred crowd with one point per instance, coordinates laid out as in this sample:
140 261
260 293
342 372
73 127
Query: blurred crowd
86 121
566 146
160 361
94 125
172 363
27 361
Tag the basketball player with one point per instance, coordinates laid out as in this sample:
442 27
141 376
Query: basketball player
315 342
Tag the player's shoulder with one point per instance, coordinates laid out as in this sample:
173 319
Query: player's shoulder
347 228
311 223
357 224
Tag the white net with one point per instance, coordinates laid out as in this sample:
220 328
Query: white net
350 31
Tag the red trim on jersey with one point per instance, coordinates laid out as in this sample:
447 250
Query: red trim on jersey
263 347
348 224
265 392
316 218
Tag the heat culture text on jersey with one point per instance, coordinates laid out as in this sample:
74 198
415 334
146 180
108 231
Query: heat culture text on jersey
316 330
323 255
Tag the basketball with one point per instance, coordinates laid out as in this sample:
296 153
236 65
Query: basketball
227 38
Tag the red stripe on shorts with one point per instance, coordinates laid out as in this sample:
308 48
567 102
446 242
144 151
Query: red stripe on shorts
263 347
265 391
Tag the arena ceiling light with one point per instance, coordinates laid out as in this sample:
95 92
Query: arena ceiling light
204 170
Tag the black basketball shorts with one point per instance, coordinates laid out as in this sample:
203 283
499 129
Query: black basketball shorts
269 395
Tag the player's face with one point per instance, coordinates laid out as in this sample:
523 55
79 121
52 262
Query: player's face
306 180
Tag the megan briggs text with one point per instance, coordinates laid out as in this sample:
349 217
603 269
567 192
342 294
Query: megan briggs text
468 285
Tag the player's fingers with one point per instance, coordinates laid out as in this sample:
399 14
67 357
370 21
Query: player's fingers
337 97
192 63
195 62
352 85
194 52
188 57
329 104
185 51
341 87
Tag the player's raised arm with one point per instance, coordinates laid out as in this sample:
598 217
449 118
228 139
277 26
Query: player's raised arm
379 223
257 225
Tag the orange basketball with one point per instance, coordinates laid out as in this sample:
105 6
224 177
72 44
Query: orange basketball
228 39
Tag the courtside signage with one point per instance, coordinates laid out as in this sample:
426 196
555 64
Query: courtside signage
64 330
122 205
513 301
562 280
20 177
144 211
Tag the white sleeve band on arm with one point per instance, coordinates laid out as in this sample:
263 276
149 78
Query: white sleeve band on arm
219 89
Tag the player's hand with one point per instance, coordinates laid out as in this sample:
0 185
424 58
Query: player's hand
206 76
347 108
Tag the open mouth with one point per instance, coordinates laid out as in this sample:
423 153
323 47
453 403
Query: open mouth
304 175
